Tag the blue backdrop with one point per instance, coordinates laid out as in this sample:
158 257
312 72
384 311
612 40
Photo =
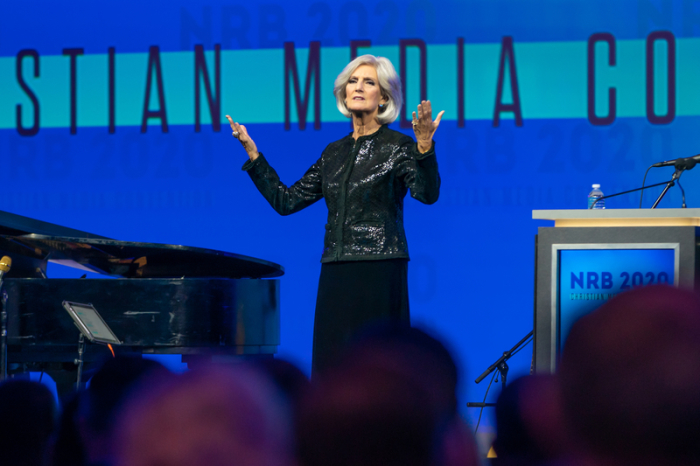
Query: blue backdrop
98 131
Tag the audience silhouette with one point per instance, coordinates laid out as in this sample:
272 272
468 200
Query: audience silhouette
27 417
627 392
630 380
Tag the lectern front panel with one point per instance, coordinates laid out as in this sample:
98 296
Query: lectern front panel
590 274
579 269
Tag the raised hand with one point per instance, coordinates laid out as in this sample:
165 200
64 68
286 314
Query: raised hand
240 133
424 127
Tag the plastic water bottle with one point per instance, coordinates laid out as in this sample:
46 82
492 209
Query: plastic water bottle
596 194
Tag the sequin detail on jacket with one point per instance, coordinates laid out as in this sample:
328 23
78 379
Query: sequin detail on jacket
364 183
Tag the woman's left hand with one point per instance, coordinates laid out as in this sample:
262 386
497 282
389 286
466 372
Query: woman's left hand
424 127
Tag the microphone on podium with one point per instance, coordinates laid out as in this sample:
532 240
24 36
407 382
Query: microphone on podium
686 163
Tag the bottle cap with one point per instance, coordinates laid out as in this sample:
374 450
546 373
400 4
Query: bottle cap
595 186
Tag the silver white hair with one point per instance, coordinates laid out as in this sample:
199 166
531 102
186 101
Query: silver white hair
389 83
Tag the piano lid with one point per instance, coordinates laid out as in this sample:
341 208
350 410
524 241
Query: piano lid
14 225
126 259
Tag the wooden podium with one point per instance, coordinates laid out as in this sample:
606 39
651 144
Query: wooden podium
588 256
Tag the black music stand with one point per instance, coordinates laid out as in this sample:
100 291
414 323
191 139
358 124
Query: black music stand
93 327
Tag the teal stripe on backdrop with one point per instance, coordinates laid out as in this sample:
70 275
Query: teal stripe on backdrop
551 78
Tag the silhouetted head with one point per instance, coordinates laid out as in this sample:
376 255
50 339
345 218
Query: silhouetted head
109 386
212 416
366 417
630 378
529 425
100 404
27 417
414 354
390 401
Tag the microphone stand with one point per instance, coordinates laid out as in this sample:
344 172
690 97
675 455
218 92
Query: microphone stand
681 166
669 185
502 367
79 362
500 364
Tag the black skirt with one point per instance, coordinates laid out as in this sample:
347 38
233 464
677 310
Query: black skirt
353 295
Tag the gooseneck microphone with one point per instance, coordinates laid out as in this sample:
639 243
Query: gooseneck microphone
686 162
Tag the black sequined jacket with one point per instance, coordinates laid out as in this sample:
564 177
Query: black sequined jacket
364 183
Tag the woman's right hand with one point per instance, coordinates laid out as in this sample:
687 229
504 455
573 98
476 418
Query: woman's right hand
245 140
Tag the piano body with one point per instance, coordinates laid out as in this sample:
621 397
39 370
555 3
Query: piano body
158 299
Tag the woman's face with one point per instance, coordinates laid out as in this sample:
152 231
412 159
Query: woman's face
362 91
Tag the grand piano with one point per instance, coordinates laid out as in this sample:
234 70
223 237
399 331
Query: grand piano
157 298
